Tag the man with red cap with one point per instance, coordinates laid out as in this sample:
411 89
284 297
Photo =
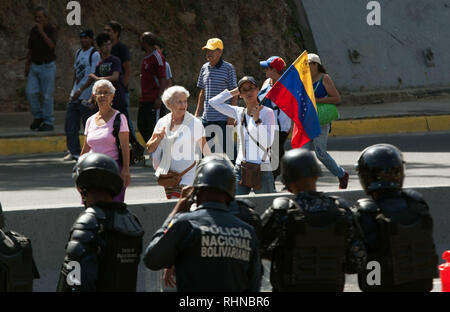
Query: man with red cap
274 67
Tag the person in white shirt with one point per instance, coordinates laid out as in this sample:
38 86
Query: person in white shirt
86 58
256 128
175 139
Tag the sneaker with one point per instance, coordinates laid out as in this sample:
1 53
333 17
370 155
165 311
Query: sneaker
45 127
68 157
343 182
36 124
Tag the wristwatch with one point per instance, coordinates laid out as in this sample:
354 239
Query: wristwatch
258 121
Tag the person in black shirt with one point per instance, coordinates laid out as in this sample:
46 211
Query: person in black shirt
40 69
114 29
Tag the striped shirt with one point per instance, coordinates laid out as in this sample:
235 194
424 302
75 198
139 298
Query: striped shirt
214 80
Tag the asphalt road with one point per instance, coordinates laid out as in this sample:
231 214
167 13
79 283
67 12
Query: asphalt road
45 181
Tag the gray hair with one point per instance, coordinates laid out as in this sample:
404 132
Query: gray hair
101 83
170 92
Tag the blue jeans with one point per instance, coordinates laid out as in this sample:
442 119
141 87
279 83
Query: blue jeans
319 145
227 136
267 183
76 112
41 80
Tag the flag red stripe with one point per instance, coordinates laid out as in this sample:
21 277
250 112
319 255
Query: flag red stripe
289 103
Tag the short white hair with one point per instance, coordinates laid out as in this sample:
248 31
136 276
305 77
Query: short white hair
170 92
101 83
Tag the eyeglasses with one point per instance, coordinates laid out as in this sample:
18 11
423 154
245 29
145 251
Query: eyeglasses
247 90
103 93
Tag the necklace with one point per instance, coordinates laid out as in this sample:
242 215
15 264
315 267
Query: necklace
104 118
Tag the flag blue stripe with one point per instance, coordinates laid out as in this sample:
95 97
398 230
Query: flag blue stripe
307 112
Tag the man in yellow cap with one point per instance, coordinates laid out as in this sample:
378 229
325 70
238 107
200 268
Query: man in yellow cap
216 76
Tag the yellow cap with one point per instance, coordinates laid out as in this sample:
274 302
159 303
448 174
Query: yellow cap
213 44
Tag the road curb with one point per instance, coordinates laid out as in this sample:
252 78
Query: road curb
349 127
39 145
390 125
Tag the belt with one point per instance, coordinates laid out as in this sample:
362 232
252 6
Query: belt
42 62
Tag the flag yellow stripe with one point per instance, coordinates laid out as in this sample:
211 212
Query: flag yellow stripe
302 66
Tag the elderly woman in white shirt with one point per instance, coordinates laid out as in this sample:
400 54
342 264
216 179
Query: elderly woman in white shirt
175 138
255 131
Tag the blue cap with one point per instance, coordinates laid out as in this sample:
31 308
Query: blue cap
87 33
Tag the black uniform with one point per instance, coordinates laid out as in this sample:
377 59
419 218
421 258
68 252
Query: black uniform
397 225
212 250
312 242
17 266
244 209
398 233
106 240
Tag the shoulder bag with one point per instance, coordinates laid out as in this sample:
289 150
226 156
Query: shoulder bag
326 112
173 178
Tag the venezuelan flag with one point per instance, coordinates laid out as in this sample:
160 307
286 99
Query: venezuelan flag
293 93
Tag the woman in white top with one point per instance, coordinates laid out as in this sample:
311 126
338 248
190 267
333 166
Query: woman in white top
175 139
256 130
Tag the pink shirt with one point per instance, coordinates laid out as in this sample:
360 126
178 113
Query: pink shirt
101 138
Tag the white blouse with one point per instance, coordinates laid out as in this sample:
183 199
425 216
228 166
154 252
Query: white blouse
262 133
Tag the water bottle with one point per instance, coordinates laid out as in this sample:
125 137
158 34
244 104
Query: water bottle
444 270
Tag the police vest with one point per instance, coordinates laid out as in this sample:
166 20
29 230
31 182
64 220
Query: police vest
121 255
311 249
246 212
112 237
407 251
17 268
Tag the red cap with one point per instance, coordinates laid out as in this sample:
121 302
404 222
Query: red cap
446 255
274 62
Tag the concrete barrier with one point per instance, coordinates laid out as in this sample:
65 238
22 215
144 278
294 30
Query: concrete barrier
404 51
49 230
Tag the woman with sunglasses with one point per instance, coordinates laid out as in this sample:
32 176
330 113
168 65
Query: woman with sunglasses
99 132
256 130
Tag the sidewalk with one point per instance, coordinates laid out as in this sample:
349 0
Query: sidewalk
402 117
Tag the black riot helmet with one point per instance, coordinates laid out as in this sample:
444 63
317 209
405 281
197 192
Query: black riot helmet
381 166
298 163
98 171
216 172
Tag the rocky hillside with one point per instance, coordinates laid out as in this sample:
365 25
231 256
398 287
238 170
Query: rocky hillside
252 30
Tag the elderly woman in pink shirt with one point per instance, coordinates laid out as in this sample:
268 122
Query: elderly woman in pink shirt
99 132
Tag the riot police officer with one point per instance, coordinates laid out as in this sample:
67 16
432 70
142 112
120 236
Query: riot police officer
17 266
105 241
244 209
396 223
211 249
311 240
